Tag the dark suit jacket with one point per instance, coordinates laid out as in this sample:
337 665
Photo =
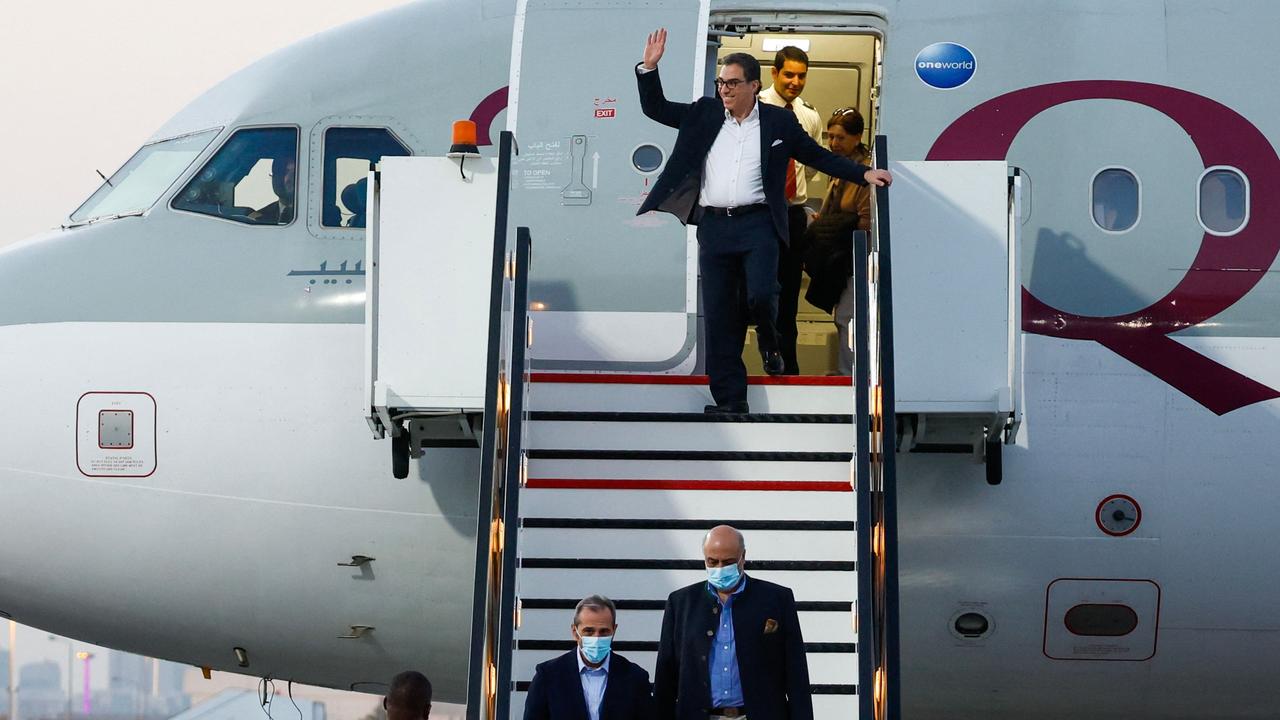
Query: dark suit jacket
556 691
699 123
771 657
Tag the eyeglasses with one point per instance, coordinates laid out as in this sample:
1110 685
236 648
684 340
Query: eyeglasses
844 111
731 84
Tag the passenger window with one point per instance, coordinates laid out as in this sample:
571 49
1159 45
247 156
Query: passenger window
1224 201
1116 200
253 179
348 154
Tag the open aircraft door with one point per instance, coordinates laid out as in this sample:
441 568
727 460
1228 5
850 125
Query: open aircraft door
609 290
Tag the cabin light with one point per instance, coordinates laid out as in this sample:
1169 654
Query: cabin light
776 44
537 305
242 657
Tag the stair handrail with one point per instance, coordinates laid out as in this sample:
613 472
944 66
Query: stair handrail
876 463
501 472
864 609
889 440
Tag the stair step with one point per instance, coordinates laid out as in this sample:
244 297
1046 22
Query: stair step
641 543
579 563
623 646
680 475
684 394
824 668
689 436
837 583
690 455
630 523
550 603
733 507
690 417
522 686
829 701
646 625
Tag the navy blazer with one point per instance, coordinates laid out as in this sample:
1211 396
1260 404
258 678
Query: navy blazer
556 691
781 139
770 648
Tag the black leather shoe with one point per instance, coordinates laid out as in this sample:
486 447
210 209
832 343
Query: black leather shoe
773 362
733 408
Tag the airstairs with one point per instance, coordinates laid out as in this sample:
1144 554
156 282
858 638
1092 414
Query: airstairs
605 483
625 476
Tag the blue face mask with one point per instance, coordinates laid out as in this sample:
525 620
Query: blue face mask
596 649
724 577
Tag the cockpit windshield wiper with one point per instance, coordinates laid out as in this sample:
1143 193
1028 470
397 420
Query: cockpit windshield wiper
103 218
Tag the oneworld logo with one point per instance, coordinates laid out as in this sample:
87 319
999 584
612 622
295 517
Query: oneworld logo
945 65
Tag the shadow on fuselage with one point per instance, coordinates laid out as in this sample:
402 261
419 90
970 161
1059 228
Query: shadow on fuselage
1061 268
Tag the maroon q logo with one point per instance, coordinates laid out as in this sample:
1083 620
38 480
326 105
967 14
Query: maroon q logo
486 112
1224 270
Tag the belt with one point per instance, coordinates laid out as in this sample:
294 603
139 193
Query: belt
734 212
732 712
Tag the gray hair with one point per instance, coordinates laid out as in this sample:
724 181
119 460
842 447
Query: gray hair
596 602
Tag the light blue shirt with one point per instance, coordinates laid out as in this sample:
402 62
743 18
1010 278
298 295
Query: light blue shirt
726 683
594 681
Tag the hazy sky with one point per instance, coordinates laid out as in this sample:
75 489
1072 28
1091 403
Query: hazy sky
84 82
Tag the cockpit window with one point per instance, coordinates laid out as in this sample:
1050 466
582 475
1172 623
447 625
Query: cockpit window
348 154
253 179
140 182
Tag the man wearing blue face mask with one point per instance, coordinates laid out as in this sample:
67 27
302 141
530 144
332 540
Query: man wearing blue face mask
731 645
590 682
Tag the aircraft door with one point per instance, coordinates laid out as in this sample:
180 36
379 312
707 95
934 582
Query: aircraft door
611 291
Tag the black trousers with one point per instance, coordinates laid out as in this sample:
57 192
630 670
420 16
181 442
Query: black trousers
789 267
737 254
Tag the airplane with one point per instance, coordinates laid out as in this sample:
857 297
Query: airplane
204 310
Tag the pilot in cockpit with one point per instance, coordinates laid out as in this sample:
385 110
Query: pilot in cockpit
284 171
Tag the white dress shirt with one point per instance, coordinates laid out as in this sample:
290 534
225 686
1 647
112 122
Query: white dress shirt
594 681
731 174
812 124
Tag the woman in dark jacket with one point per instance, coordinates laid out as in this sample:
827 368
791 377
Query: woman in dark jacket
828 256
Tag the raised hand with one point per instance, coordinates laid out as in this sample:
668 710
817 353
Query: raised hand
654 48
